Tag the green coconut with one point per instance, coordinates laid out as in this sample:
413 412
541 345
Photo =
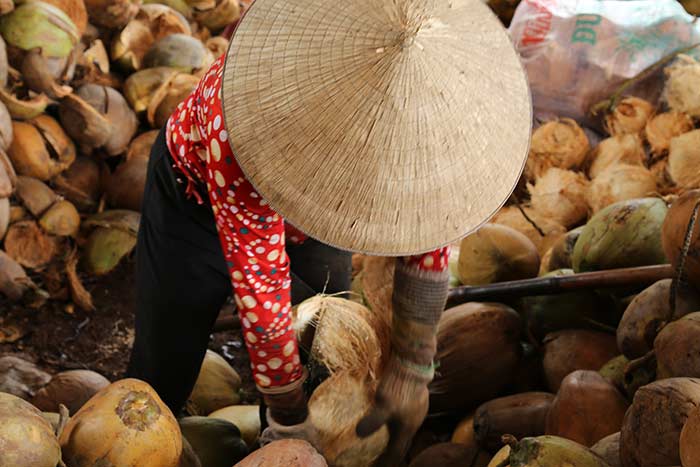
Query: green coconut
217 386
216 442
624 234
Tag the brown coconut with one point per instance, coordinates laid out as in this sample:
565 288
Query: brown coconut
684 159
20 377
690 440
71 388
80 183
514 218
674 231
648 312
622 149
519 415
609 449
61 219
468 335
681 92
587 408
445 455
125 423
662 128
650 435
560 143
35 195
620 183
677 348
216 387
496 253
284 453
124 187
27 244
629 116
40 148
575 349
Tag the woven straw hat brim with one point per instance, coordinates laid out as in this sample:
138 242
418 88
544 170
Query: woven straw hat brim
388 127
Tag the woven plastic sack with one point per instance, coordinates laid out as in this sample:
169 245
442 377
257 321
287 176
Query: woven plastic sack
577 52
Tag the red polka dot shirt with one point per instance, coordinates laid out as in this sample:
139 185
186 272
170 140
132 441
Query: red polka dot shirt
252 235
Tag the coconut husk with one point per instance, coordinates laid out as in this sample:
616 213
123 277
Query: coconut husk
35 195
20 377
609 449
561 252
684 159
217 386
445 454
246 418
560 143
662 128
27 244
680 92
80 183
652 427
560 195
179 51
624 234
39 77
514 218
467 336
124 187
284 453
216 442
520 415
575 349
168 97
79 295
649 312
620 183
587 408
677 348
61 219
690 439
14 283
625 149
140 87
111 14
614 372
629 116
675 229
70 388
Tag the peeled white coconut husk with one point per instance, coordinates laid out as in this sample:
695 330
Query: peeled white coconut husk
620 183
622 149
682 92
665 126
561 196
684 160
629 117
513 218
560 143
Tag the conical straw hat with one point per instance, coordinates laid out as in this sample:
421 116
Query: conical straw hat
388 127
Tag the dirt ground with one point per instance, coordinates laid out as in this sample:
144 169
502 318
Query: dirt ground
57 338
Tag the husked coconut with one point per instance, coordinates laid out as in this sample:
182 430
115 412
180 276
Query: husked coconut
622 149
560 143
71 388
662 128
216 387
684 159
675 229
560 195
681 92
620 183
514 218
629 116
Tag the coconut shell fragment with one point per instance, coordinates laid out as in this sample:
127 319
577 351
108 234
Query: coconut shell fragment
675 229
684 159
626 149
662 128
71 388
629 116
27 244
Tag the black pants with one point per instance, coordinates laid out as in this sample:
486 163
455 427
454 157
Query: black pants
182 281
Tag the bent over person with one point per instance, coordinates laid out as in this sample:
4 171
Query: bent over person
328 127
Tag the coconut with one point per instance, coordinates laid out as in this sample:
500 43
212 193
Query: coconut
106 247
20 377
61 219
111 14
496 253
622 149
514 218
561 196
125 423
624 234
560 143
464 432
153 22
217 386
27 439
561 252
675 230
284 453
80 183
179 51
677 348
681 92
629 116
684 158
467 336
620 183
140 87
614 371
652 427
245 417
575 349
216 442
168 97
648 312
224 13
587 408
552 451
518 415
124 187
35 195
70 388
445 454
662 128
41 148
690 439
27 244
609 449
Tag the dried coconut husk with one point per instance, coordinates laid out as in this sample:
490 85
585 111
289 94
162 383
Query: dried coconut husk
620 183
520 415
677 348
674 232
622 149
153 22
335 408
652 427
514 218
4 216
27 244
140 87
649 312
224 13
469 335
575 349
629 116
35 195
560 195
80 183
111 14
587 408
665 126
124 187
560 143
69 388
40 148
14 282
609 449
168 97
217 386
20 377
690 440
39 77
684 159
681 90
217 45
6 134
180 51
